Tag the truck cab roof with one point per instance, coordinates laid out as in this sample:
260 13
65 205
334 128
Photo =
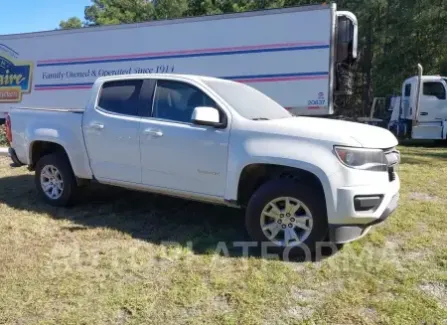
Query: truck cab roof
170 76
424 78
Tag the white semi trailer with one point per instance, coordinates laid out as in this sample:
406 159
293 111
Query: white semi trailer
302 57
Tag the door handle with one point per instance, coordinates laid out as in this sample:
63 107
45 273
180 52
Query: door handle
154 133
97 126
424 113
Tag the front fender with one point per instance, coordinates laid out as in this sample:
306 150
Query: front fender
316 158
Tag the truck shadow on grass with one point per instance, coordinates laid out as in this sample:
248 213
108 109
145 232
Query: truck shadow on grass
204 228
427 154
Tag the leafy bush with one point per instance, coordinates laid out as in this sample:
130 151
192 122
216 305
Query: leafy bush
3 140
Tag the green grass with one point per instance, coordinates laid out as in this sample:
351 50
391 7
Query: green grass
107 261
3 140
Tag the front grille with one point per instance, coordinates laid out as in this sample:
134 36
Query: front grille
393 160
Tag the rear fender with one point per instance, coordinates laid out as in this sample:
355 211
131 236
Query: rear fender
73 146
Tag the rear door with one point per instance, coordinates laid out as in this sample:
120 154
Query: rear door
111 132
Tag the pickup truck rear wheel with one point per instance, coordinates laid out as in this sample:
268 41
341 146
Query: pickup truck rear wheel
55 180
286 214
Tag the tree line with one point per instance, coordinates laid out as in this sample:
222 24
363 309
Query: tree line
394 35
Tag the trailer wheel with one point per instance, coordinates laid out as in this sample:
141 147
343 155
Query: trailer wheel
287 215
55 181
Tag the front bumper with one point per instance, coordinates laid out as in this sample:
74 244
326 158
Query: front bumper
358 208
362 199
346 233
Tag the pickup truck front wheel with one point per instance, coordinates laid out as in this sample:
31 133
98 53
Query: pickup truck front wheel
287 214
55 180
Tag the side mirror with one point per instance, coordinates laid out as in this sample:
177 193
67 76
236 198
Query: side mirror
209 116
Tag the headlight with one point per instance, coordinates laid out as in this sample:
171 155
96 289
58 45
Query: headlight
364 159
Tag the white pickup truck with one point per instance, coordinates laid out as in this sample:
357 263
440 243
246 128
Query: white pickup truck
301 179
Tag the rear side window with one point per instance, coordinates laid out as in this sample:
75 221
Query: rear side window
434 89
121 97
408 90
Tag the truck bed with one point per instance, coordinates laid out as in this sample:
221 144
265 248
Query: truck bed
56 125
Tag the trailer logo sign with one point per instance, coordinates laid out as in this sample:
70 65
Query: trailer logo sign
320 101
15 79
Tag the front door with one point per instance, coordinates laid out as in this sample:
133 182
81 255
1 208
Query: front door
177 154
111 132
433 105
407 101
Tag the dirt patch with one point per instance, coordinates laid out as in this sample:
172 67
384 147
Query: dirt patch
436 290
221 303
306 295
418 256
123 315
369 314
393 244
418 196
310 300
301 313
307 301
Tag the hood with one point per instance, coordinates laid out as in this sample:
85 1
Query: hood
336 131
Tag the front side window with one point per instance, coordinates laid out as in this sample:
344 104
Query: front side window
407 90
434 89
176 100
121 96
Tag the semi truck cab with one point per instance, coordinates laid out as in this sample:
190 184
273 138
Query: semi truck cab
423 109
433 100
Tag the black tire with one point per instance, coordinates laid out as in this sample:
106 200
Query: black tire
70 188
307 194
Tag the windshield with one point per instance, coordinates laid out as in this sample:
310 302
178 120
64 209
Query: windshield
247 101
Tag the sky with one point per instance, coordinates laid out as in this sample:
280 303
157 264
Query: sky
22 16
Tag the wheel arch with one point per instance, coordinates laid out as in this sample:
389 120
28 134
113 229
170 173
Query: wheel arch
40 148
253 175
66 138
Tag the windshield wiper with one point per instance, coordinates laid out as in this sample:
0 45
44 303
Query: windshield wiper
260 119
